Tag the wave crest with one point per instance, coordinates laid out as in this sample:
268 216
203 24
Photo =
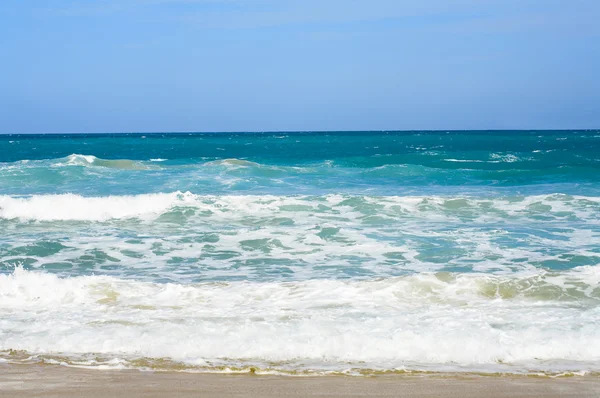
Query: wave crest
102 208
77 207
93 161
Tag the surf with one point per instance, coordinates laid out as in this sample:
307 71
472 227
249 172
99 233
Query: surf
434 321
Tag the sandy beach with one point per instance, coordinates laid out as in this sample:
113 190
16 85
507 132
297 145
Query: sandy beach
56 381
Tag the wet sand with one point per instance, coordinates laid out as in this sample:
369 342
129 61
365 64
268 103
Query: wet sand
57 381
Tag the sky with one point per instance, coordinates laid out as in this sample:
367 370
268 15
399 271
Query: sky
297 65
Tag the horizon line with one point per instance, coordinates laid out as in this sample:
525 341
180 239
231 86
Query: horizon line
191 132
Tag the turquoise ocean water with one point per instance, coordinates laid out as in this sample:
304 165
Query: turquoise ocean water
351 252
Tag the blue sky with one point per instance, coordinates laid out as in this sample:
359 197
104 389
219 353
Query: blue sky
256 65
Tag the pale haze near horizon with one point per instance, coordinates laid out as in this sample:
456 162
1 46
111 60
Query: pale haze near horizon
261 65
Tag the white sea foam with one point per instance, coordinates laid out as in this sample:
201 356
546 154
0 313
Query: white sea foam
77 207
465 160
534 321
185 237
505 158
93 161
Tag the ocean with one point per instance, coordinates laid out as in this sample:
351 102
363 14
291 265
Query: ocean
303 253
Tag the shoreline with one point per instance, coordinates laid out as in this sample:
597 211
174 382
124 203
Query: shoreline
49 381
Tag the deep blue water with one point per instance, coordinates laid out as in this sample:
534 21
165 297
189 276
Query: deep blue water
380 163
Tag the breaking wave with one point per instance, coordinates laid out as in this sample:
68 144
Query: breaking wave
102 208
430 321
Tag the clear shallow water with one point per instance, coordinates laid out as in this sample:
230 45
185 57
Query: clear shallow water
303 252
